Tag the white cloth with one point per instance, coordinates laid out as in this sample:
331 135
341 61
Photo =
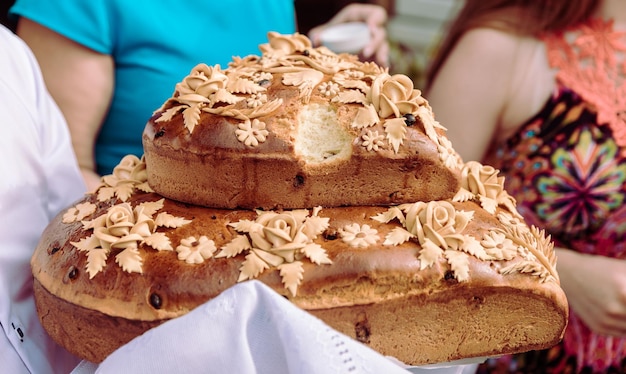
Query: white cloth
38 177
247 329
250 329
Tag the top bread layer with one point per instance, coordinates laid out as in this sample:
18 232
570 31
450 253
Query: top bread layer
298 127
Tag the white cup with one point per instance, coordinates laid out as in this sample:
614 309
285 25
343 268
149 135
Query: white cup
350 37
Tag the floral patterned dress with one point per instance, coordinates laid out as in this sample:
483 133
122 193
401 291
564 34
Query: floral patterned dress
566 167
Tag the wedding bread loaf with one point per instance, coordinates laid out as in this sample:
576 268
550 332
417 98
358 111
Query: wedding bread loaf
324 177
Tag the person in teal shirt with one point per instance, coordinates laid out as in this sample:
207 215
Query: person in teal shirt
110 64
130 55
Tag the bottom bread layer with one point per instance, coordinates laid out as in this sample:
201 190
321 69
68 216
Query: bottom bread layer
416 330
450 326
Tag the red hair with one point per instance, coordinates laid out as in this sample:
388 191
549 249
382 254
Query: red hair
524 17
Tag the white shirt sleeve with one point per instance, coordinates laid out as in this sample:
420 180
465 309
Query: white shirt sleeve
39 176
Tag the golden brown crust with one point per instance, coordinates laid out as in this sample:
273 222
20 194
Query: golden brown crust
297 128
86 333
450 325
230 176
372 281
457 323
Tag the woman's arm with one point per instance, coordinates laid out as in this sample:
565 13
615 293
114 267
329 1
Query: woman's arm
472 89
596 289
80 80
492 83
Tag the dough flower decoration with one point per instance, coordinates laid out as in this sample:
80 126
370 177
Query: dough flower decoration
534 246
481 182
130 174
282 45
251 133
203 82
372 140
305 79
438 227
329 89
79 212
292 51
210 89
514 222
204 86
498 245
260 76
359 236
356 84
278 240
256 100
121 230
393 101
390 101
395 95
448 154
195 251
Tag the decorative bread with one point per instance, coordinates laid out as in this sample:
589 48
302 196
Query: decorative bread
423 282
294 128
369 219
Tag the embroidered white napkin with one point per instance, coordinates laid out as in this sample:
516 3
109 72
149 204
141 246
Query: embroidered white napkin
249 328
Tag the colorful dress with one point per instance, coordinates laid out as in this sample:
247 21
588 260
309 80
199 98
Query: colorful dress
567 167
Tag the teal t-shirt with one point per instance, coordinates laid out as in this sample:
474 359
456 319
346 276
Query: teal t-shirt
155 44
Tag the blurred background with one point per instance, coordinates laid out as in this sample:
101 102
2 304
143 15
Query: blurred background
414 29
